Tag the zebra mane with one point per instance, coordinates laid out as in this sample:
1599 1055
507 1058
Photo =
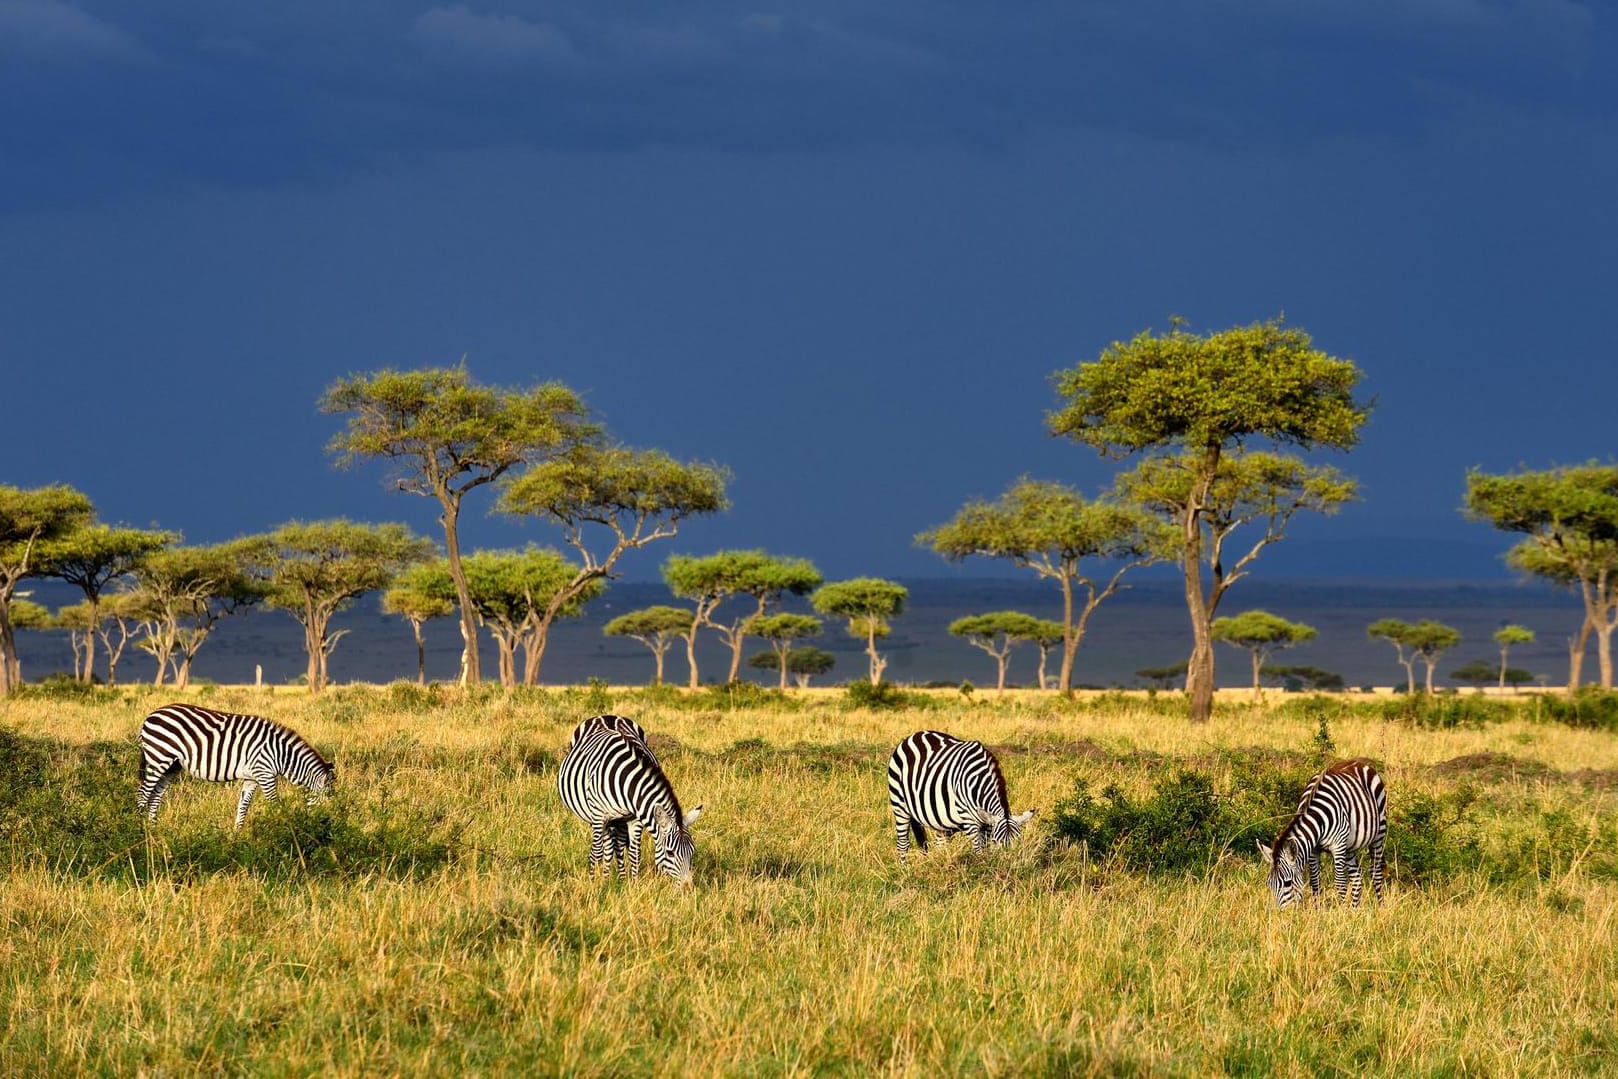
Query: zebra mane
1308 798
999 780
644 758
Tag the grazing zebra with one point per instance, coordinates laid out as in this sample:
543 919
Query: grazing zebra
623 834
938 781
612 782
221 747
1344 810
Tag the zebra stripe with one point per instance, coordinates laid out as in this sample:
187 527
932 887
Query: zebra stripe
938 781
612 781
1343 811
221 747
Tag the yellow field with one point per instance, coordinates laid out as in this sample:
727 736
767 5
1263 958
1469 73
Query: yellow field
803 947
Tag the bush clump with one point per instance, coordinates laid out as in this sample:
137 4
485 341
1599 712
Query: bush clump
1591 708
1182 826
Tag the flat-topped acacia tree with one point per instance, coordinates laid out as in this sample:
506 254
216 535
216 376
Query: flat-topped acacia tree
1056 532
867 603
707 581
29 519
1262 634
446 435
1568 517
1197 405
412 598
93 557
634 496
657 627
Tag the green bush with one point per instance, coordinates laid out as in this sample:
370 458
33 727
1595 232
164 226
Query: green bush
1591 708
1447 712
878 696
1183 826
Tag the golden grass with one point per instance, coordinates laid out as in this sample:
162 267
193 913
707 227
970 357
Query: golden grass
804 948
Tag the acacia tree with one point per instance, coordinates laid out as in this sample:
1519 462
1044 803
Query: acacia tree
314 569
867 603
1196 404
410 596
636 496
30 519
93 557
708 581
446 436
1569 520
802 663
1427 640
1505 637
1046 634
656 627
783 631
1053 530
995 633
180 595
1263 634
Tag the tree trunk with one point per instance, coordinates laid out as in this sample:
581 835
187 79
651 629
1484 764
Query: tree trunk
471 672
1575 656
1043 653
1199 669
658 652
1070 642
312 648
877 663
90 640
534 652
1001 658
1258 688
1604 652
421 653
691 658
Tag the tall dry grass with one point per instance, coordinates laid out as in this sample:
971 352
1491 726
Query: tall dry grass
804 947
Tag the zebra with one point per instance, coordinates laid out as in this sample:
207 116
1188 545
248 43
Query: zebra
624 834
941 782
221 747
612 781
1343 811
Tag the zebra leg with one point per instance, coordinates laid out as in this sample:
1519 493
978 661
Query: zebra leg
599 844
1378 868
632 834
154 784
1314 872
1356 881
247 800
980 838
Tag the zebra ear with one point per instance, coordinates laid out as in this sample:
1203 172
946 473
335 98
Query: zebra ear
1266 850
1023 818
693 815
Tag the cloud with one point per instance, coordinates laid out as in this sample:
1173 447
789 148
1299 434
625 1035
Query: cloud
298 89
459 35
47 30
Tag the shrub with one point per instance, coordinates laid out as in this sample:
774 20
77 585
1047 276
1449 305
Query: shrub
1591 708
1183 826
877 696
1447 712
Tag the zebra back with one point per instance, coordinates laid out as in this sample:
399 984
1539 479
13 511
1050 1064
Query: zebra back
610 775
949 784
1344 809
222 746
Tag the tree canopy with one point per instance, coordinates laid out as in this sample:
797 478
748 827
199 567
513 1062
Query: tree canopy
445 435
1053 530
1197 401
313 569
656 627
1569 519
1262 634
868 603
709 580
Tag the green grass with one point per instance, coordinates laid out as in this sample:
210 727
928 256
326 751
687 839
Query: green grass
437 918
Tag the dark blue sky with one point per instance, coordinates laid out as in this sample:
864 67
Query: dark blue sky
840 252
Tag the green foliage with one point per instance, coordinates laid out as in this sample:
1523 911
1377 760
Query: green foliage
61 686
1300 677
1591 708
878 696
1430 836
1181 827
1446 712
71 808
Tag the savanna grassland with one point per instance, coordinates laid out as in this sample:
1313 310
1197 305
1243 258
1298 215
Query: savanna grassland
437 917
